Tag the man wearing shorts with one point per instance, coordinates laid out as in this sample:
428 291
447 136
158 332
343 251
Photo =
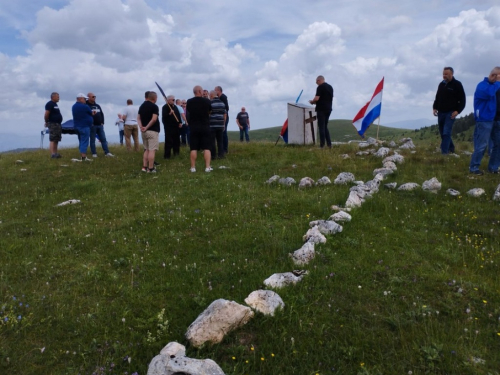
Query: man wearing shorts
148 122
53 120
198 111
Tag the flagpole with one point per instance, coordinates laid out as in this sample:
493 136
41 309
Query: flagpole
378 127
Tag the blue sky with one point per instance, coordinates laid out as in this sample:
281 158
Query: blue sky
261 52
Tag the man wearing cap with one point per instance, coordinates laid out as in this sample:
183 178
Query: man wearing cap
53 120
82 119
97 127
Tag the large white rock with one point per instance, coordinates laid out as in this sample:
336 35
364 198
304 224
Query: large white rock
172 360
326 226
409 186
314 235
391 185
432 185
364 144
496 195
353 200
382 152
323 181
390 165
280 280
396 158
273 179
289 181
408 144
216 321
453 192
383 171
265 301
476 192
392 144
306 182
344 178
340 217
371 141
303 255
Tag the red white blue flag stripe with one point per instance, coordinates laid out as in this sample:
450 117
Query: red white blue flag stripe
370 112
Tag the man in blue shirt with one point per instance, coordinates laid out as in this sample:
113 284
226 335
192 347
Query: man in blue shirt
82 120
485 110
53 120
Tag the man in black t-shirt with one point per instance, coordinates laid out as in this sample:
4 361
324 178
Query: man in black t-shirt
243 122
53 120
323 101
147 119
198 116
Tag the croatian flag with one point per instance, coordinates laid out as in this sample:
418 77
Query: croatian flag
370 112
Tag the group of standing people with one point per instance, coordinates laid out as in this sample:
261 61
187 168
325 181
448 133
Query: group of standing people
450 101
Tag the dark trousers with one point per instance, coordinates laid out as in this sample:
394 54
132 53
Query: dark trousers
445 124
172 140
324 134
185 135
225 140
217 142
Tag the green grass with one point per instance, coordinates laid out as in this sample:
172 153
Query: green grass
411 284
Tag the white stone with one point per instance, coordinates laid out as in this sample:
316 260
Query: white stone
468 153
353 200
408 144
390 165
358 183
382 152
364 144
76 160
496 195
396 158
172 360
409 186
23 169
19 161
373 185
344 178
339 143
314 235
71 201
326 226
306 182
432 185
224 167
273 179
289 181
391 185
392 144
280 280
216 321
303 255
345 156
323 181
336 208
476 192
362 191
371 141
341 217
362 153
453 192
265 301
383 171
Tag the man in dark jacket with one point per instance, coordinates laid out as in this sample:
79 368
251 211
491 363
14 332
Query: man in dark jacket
172 124
449 103
97 127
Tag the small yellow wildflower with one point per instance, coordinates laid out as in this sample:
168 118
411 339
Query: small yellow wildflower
272 354
261 358
233 358
362 364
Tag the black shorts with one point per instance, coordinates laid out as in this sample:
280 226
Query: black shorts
55 131
200 139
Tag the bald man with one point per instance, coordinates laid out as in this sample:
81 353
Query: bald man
198 115
323 101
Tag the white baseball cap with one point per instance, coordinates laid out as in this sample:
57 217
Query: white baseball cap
80 95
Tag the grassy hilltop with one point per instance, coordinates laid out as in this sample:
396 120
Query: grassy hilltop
410 286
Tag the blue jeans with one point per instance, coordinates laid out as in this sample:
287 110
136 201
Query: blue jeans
244 132
324 134
482 134
83 139
99 131
121 136
445 123
225 140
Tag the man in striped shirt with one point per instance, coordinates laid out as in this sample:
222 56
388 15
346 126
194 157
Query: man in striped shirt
217 123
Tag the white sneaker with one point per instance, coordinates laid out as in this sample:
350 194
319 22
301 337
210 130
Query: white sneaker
193 170
94 155
110 155
209 169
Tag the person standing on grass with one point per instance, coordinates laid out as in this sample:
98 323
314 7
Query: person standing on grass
53 120
217 122
323 101
148 122
243 122
198 113
82 120
449 103
223 98
130 129
172 124
119 123
178 103
97 127
485 112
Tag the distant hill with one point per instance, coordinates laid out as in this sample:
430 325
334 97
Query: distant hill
412 124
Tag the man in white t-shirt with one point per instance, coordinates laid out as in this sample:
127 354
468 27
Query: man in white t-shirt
130 128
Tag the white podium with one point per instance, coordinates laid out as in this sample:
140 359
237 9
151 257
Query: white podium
302 124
